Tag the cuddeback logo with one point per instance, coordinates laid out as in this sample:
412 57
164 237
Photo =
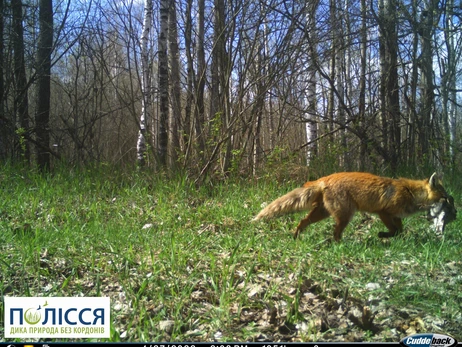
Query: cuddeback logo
57 317
430 340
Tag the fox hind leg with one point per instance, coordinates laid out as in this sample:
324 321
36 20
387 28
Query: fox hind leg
341 223
317 214
394 225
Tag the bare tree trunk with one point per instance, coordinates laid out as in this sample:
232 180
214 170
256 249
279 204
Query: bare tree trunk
163 83
312 124
383 78
428 94
216 102
332 77
413 121
259 104
389 81
187 131
409 92
362 87
219 103
413 114
175 95
257 149
3 126
340 52
42 118
21 100
449 81
141 148
199 110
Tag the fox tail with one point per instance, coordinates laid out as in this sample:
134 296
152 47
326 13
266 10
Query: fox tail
299 199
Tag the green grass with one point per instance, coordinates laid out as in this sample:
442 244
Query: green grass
203 266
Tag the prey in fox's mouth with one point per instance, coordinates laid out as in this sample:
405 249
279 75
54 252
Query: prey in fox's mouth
442 213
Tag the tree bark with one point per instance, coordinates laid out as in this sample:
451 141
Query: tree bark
220 79
449 84
163 83
42 118
362 86
390 109
3 126
21 100
199 109
312 124
175 95
187 131
339 36
141 148
332 77
426 82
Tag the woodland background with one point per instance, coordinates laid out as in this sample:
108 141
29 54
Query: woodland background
221 87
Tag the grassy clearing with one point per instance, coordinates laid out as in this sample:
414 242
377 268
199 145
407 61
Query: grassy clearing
182 263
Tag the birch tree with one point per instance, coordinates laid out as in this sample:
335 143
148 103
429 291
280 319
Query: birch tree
141 148
311 100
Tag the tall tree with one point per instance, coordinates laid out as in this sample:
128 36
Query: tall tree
3 124
410 89
175 94
199 110
145 85
362 86
332 70
390 110
163 82
21 99
339 37
259 105
311 99
220 80
448 66
187 131
426 82
42 118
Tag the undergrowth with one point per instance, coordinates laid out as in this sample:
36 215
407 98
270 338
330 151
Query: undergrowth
184 263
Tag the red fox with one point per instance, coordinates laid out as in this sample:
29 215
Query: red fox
340 195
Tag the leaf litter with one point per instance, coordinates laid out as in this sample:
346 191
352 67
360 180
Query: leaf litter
226 299
264 306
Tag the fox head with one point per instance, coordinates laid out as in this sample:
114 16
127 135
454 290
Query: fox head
436 191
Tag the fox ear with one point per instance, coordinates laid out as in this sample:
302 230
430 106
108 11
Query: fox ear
434 180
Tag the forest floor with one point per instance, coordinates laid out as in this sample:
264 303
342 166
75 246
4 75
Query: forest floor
184 263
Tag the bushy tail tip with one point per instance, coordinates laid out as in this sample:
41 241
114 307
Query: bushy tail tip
298 199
